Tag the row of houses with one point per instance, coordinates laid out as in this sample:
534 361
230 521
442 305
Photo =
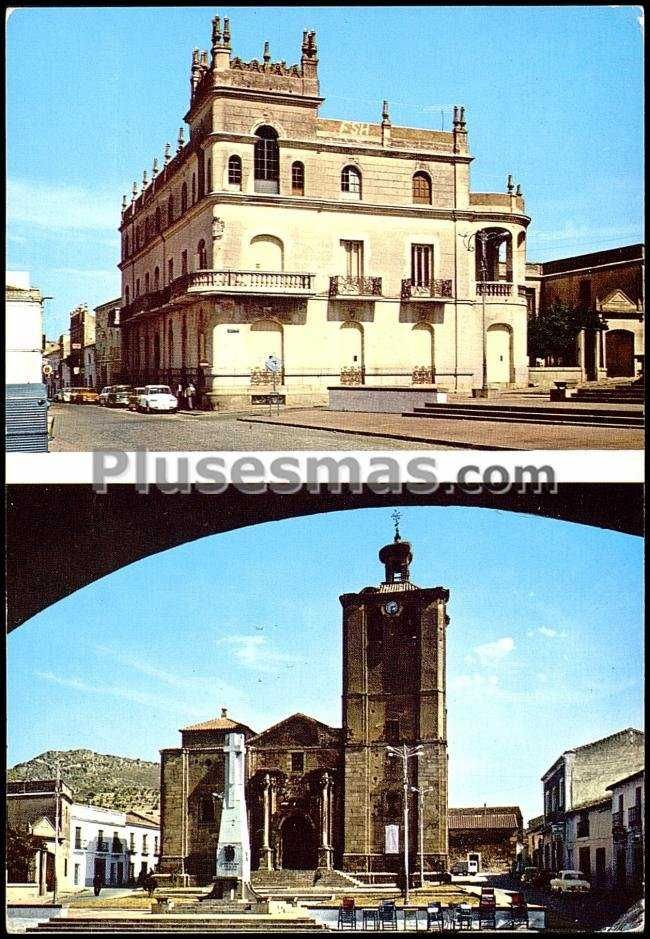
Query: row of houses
89 353
72 842
593 813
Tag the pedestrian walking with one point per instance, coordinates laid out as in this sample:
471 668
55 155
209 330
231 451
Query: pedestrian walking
190 391
98 883
179 395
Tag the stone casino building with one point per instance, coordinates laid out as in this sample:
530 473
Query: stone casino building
354 252
331 797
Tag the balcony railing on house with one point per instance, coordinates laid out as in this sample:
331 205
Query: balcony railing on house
434 290
102 847
493 288
634 816
350 287
618 825
274 282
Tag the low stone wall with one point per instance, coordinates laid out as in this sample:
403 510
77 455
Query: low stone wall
18 893
382 399
545 377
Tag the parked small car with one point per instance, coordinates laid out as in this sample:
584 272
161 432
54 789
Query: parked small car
157 398
83 396
459 869
570 882
104 395
119 396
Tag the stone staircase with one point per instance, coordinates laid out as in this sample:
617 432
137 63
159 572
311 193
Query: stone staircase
532 414
170 923
631 392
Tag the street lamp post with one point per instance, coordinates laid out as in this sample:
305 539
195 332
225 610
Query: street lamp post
421 791
56 830
483 238
405 753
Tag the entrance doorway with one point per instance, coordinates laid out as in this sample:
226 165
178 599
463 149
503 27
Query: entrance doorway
619 352
298 842
100 868
498 354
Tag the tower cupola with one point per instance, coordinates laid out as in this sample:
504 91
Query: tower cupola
396 557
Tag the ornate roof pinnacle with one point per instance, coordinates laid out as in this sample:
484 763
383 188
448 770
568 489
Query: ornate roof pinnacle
267 52
181 140
168 152
510 184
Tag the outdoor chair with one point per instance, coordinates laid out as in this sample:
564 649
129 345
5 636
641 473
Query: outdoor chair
387 914
435 917
463 916
487 909
347 914
518 910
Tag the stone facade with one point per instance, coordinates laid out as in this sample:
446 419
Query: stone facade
495 832
348 250
108 343
320 796
608 284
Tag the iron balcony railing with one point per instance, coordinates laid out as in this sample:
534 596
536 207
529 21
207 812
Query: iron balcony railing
435 290
102 847
617 821
634 816
493 288
355 286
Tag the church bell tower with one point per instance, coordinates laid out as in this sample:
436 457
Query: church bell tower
394 685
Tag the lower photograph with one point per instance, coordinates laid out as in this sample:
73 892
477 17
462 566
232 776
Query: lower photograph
325 711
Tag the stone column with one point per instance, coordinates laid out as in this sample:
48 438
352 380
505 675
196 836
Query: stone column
581 352
325 848
266 854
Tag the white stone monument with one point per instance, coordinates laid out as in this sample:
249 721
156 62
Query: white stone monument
233 846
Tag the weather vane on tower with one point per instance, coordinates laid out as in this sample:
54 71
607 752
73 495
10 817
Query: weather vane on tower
396 516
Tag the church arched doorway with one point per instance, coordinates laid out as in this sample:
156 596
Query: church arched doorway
298 846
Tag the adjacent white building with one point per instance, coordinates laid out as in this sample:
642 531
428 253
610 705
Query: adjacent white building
117 845
24 330
588 845
628 833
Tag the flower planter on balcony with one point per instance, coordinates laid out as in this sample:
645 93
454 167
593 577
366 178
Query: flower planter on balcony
435 290
350 287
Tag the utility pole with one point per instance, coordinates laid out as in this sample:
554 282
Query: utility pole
56 831
481 239
405 753
420 791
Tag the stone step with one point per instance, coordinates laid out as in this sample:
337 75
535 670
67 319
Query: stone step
531 415
174 923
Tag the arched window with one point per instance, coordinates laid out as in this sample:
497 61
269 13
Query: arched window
422 189
234 171
184 197
146 282
127 295
170 347
126 245
193 188
298 179
266 160
170 209
351 182
202 255
156 279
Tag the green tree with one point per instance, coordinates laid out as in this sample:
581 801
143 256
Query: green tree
21 848
552 334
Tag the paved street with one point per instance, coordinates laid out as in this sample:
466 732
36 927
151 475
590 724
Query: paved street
90 427
578 912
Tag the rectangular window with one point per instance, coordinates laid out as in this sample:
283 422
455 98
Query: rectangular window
297 762
155 844
77 837
184 262
146 282
131 842
637 796
170 270
137 287
144 844
65 867
421 265
584 291
584 861
353 258
76 874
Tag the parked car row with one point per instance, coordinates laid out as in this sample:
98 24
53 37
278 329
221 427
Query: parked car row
148 398
566 881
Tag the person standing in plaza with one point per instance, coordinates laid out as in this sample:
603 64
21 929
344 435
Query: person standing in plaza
180 395
190 391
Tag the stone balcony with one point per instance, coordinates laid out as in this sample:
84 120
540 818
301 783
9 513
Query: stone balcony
351 288
276 283
493 288
434 290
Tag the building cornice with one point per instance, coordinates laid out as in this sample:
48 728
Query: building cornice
250 94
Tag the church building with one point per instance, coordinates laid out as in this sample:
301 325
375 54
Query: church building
332 797
352 252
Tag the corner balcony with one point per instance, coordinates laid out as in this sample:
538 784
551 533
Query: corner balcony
269 283
434 290
354 288
493 288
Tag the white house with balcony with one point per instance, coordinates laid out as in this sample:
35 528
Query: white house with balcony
628 830
116 845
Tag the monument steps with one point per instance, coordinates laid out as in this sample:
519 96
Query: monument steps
592 417
149 924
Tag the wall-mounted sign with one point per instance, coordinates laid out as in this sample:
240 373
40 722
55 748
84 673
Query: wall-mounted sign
391 839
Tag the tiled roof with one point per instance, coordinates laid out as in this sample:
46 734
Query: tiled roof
137 818
217 723
485 817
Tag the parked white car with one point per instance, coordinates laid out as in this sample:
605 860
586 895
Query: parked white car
157 398
570 882
103 396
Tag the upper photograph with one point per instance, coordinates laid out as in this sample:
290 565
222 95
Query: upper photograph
325 228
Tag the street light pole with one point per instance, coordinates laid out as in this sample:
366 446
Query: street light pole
482 237
56 831
405 753
420 791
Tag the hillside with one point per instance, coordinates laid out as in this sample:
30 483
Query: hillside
115 782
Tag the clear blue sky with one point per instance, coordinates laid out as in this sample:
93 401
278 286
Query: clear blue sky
553 96
545 644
